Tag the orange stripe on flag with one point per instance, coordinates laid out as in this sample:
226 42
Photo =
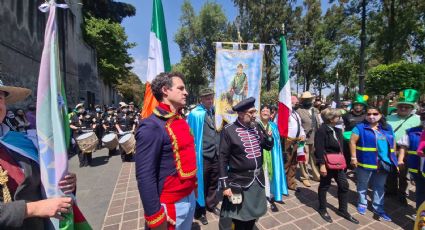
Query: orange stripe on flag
149 102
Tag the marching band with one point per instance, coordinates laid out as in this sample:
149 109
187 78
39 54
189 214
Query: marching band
112 129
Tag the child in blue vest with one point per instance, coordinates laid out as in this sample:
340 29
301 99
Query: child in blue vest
372 154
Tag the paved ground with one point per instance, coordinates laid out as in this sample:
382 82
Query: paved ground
95 185
297 212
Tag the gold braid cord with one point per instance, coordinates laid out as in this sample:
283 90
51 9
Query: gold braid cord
3 182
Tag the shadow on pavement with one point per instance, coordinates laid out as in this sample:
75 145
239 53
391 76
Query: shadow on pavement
97 161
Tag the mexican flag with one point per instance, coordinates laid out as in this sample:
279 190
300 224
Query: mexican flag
284 107
159 59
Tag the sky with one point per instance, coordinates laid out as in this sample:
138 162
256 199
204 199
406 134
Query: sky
138 26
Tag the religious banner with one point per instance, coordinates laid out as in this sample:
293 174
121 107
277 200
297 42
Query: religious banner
237 76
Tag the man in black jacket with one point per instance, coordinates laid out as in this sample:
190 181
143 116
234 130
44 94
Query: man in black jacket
240 167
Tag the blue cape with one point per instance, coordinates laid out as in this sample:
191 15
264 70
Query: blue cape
196 122
20 143
278 185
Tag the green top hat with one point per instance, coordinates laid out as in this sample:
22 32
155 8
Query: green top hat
409 97
360 99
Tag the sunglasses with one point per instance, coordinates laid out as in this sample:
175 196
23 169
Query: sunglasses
372 114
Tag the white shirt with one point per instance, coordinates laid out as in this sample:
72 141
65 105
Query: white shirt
404 141
294 125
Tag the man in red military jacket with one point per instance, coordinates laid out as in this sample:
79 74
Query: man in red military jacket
166 159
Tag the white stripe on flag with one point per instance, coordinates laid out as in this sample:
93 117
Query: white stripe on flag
155 60
285 95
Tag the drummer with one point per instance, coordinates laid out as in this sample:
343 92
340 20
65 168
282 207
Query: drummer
125 124
133 113
98 122
356 115
81 123
109 122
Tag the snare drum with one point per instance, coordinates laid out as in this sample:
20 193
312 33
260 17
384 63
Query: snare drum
110 141
128 143
87 142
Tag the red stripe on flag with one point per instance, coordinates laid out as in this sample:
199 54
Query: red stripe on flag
283 119
78 216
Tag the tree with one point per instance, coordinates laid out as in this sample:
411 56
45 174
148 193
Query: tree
195 38
131 88
261 21
108 9
395 77
190 66
110 41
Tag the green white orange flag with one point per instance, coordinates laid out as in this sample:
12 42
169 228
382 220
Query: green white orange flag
159 59
284 107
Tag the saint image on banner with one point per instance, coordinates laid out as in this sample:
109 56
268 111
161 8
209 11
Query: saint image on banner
239 86
237 76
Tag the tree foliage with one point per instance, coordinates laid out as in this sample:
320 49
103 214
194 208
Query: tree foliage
108 9
270 97
383 79
131 88
261 21
195 38
191 66
110 41
321 42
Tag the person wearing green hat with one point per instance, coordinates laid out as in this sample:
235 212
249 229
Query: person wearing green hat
351 119
402 120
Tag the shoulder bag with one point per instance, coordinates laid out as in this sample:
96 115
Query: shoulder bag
335 161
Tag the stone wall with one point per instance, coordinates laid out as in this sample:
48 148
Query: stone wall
21 43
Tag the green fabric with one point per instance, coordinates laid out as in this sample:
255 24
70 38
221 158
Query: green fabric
408 96
68 222
391 110
284 66
239 82
347 135
394 120
158 27
267 155
360 99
